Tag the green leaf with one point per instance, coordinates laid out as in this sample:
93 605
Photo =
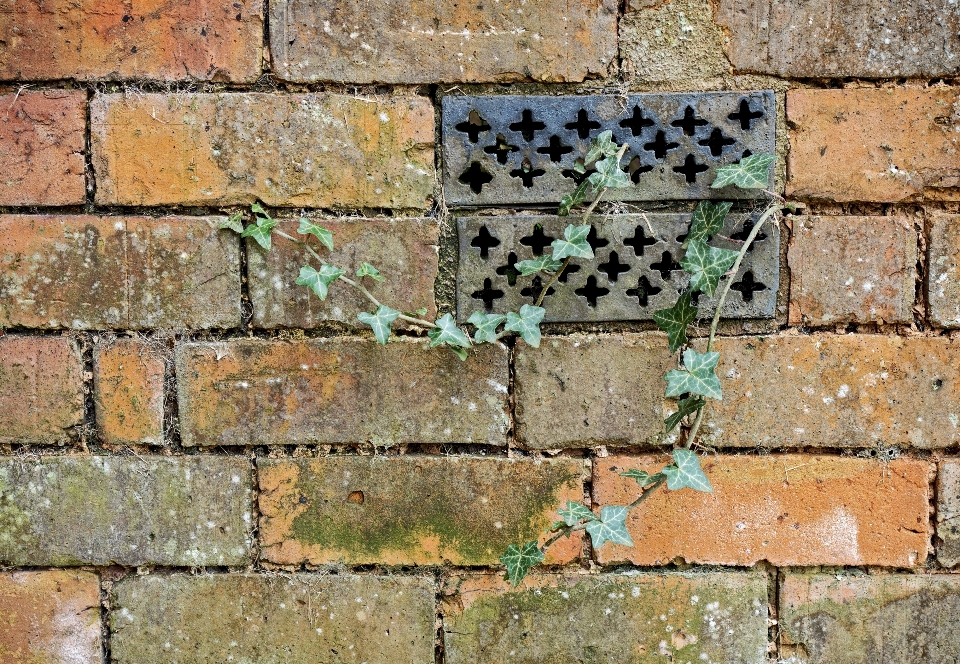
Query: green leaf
367 270
578 196
574 513
308 227
256 208
527 323
574 243
486 325
609 175
422 311
447 332
707 220
749 173
519 560
234 222
319 281
260 231
706 265
643 478
543 263
602 146
459 352
699 376
674 321
380 321
611 527
687 474
685 407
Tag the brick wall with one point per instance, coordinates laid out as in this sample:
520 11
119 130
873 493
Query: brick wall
197 466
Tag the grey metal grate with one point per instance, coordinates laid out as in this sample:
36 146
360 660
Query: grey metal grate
520 149
635 272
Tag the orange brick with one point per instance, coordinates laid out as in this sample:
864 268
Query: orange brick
943 276
115 39
42 146
873 144
316 150
789 510
128 392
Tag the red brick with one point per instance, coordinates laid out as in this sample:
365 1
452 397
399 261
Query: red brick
50 617
114 39
852 270
128 392
867 144
312 150
41 389
432 42
943 275
88 272
42 146
789 510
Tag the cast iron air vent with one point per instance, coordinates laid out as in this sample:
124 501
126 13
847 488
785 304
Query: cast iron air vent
516 149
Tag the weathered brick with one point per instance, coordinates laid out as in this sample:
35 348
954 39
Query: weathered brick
42 145
340 391
111 39
41 389
128 392
869 144
313 150
404 42
296 619
50 617
90 272
870 619
948 512
411 510
852 270
789 510
834 39
588 390
404 250
628 619
828 390
190 511
943 276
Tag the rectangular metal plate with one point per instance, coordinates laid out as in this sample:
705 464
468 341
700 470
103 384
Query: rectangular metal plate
521 149
635 271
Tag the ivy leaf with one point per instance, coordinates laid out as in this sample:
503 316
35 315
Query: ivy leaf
707 220
749 173
256 208
260 231
685 407
698 378
308 227
519 560
367 270
527 323
380 321
574 243
706 265
609 175
574 513
319 280
486 325
459 352
602 146
611 527
447 332
674 321
687 473
643 478
578 196
234 222
540 264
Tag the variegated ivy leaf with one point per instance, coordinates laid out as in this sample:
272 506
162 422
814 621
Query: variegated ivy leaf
527 323
674 321
543 263
578 196
708 218
319 280
574 513
687 473
643 478
749 173
380 321
609 175
519 560
234 222
706 265
486 325
685 407
447 332
367 270
256 208
574 243
308 227
260 231
699 376
602 146
611 527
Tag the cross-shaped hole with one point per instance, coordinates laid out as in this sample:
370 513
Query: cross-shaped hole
716 142
527 125
472 126
643 291
501 148
591 291
475 176
583 125
744 233
659 146
636 168
484 242
571 268
665 266
527 172
537 240
556 149
534 289
639 241
745 116
747 286
595 241
689 122
488 294
690 169
576 175
636 122
613 268
508 270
